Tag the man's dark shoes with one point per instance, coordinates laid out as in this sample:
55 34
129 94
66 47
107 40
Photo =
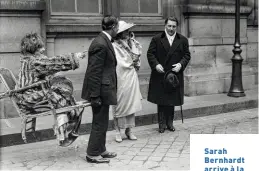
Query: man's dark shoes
171 128
109 154
161 130
97 160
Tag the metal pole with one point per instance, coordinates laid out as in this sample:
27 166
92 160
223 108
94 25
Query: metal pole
236 88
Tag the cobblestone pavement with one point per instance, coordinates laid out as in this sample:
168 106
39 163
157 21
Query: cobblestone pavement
152 150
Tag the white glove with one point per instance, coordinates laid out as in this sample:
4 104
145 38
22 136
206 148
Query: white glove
176 67
160 68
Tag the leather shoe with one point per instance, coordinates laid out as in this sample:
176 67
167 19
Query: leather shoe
171 128
161 130
109 155
93 160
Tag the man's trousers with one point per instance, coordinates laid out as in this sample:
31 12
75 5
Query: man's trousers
165 116
97 140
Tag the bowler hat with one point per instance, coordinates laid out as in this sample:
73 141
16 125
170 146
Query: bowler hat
171 81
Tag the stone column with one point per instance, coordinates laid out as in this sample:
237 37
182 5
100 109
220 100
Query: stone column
210 28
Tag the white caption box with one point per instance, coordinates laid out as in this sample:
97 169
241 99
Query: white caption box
224 152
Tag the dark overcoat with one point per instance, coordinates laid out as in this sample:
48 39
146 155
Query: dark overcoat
100 77
160 52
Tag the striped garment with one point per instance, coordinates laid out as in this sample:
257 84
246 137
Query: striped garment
35 68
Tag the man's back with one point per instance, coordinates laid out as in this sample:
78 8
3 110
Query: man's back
100 77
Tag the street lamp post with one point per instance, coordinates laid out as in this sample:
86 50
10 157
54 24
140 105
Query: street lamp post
236 88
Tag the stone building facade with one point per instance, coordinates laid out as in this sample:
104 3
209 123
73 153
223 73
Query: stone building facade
70 26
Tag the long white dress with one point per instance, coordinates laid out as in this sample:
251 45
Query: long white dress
128 90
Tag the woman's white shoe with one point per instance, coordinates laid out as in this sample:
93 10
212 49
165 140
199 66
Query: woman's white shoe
130 135
118 138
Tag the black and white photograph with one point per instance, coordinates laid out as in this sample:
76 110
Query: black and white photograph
129 85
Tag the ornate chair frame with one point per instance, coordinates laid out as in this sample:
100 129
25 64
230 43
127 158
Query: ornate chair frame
10 82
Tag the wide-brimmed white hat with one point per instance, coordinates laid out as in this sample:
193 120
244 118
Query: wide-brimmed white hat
124 26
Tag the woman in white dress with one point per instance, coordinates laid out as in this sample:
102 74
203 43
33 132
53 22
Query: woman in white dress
127 52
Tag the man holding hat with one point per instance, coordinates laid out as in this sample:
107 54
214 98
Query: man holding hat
168 55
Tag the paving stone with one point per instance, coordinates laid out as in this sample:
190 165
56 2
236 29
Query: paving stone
114 163
186 151
135 149
125 157
125 161
140 158
170 154
46 163
169 159
136 163
166 143
129 152
144 153
54 168
147 149
158 154
16 165
161 150
139 145
39 168
163 146
154 142
174 151
151 146
150 164
155 158
17 168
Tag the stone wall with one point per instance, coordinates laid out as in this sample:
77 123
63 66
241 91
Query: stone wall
252 50
252 37
211 33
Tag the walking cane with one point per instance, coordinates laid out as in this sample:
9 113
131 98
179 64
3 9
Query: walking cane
181 113
181 105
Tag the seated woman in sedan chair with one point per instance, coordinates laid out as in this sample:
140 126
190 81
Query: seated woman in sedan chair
35 66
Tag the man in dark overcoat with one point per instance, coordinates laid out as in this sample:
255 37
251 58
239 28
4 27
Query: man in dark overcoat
168 50
100 88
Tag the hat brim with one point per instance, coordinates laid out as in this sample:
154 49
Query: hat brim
128 26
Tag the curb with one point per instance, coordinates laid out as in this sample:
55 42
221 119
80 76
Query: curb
48 134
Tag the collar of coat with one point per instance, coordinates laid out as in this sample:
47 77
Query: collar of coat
170 49
164 35
166 44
